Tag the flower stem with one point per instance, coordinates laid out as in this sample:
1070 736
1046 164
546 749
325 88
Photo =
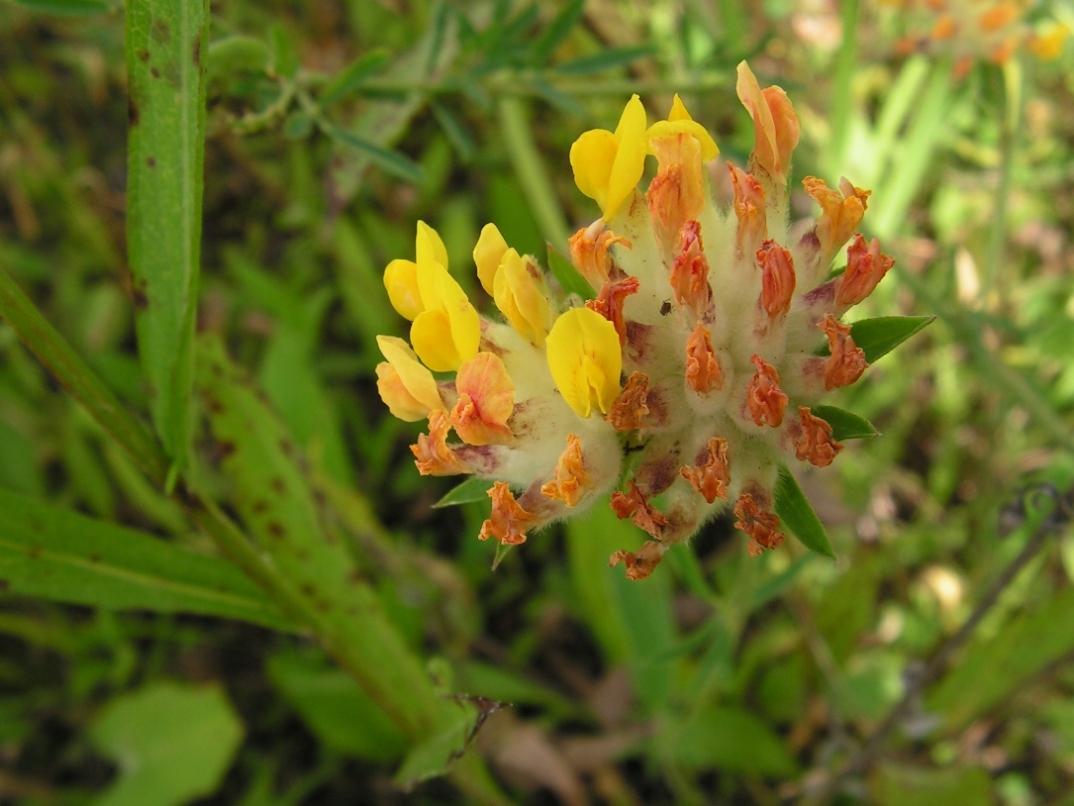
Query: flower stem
526 159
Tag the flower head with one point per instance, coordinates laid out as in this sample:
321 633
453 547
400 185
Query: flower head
702 350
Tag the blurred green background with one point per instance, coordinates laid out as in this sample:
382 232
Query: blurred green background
332 127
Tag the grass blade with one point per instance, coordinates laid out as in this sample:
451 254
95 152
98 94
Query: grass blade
67 557
165 41
797 514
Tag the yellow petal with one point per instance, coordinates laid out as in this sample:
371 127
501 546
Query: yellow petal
408 388
585 360
678 110
431 336
592 157
519 295
488 254
428 246
629 161
679 120
400 278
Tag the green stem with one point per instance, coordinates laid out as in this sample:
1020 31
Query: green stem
75 375
1011 113
845 67
526 159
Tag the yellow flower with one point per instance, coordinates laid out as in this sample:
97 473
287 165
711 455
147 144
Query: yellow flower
406 387
446 329
607 165
518 289
488 254
400 278
679 121
585 360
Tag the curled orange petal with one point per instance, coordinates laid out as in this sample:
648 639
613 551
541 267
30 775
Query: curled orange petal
866 266
486 401
677 192
775 124
690 271
764 399
761 526
702 369
432 455
777 278
847 361
841 211
711 475
509 521
629 410
814 443
609 303
589 249
634 505
571 481
640 564
750 209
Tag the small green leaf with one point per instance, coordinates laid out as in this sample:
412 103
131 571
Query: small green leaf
66 557
390 161
797 515
605 60
235 54
845 424
568 277
283 58
728 739
557 30
473 489
67 7
298 126
352 76
437 754
878 337
455 131
172 744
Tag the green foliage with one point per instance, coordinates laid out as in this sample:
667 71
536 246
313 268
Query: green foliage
281 496
172 743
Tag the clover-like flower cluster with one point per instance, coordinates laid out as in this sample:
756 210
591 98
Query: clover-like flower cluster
697 356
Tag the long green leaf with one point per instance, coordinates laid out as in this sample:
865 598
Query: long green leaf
473 489
67 557
351 77
557 30
165 42
604 60
277 506
797 514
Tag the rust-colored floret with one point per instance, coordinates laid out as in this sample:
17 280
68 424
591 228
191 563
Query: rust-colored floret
677 192
640 564
866 266
589 249
750 210
761 526
609 303
629 410
777 278
702 369
432 455
814 443
509 521
571 481
634 505
847 361
711 475
690 272
764 399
